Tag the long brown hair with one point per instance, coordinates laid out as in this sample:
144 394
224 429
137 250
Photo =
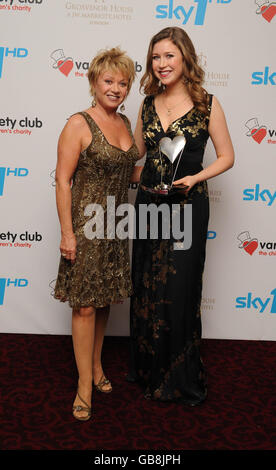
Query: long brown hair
193 74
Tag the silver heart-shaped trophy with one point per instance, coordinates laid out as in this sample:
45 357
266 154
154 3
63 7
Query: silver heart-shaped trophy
171 148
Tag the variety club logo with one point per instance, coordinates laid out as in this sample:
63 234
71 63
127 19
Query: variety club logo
6 283
193 9
19 240
52 286
251 245
258 194
266 77
9 125
12 5
65 65
53 178
8 53
261 304
61 62
7 171
266 9
259 133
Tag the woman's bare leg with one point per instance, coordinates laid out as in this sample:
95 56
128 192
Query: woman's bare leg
102 315
83 334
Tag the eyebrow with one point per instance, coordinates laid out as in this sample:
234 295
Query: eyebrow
166 52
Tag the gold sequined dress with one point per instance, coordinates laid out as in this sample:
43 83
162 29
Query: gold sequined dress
165 317
100 275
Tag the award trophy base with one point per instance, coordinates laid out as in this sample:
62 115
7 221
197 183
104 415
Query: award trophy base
166 189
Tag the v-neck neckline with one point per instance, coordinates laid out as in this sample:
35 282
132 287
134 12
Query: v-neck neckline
111 145
177 119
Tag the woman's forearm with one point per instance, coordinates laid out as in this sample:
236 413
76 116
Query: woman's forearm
136 174
64 207
220 165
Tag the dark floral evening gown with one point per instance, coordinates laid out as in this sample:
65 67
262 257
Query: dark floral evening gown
165 319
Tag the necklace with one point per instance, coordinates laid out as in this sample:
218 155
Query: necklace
171 108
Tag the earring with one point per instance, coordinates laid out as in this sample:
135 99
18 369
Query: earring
159 83
93 104
122 107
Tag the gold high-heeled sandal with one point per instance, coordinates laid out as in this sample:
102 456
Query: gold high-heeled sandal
103 381
85 408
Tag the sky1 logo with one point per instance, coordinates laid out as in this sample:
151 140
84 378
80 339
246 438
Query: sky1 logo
181 13
267 304
7 282
16 52
254 194
10 172
264 78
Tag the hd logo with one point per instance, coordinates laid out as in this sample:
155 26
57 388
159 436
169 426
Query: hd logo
16 52
7 283
10 172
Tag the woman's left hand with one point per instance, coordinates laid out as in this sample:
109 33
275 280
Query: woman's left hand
188 181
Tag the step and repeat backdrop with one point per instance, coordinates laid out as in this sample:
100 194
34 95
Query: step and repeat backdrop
45 50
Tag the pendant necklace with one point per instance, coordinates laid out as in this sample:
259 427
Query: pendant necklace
171 108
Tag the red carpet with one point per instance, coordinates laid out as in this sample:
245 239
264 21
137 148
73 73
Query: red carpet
38 381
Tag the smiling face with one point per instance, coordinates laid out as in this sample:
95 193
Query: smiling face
167 62
111 89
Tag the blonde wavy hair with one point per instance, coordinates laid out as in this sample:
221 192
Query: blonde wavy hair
193 74
115 60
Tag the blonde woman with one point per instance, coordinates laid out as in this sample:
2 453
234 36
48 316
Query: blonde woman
167 272
97 154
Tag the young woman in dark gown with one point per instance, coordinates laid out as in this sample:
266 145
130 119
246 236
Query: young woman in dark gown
165 319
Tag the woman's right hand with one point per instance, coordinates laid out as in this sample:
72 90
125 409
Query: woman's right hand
68 247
